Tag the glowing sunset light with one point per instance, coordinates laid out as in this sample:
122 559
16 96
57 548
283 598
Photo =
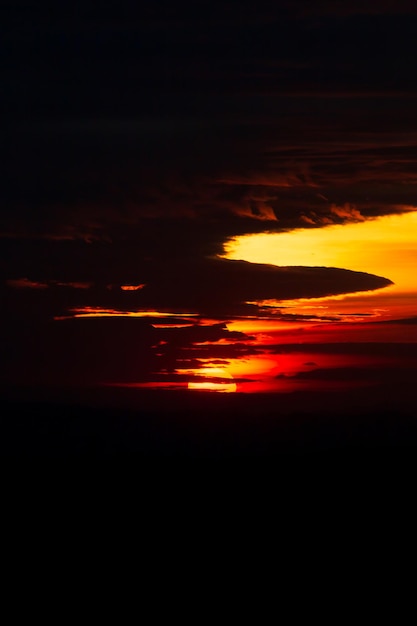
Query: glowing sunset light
217 379
89 311
255 365
385 246
212 386
282 372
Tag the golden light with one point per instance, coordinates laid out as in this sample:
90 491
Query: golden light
385 246
213 379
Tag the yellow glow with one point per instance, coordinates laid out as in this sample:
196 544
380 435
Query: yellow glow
386 246
209 386
222 384
255 326
252 366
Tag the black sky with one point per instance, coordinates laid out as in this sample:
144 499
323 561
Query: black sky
130 59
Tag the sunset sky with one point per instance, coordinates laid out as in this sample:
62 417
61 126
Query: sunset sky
203 197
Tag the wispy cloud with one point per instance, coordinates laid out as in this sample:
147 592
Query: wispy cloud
25 283
347 211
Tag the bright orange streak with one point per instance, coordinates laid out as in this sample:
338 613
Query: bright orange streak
186 325
255 326
132 287
90 311
273 333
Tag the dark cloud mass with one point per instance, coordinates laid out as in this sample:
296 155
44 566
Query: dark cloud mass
265 118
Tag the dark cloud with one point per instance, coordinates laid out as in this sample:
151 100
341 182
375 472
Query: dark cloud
205 286
397 350
342 374
407 320
90 351
388 382
287 162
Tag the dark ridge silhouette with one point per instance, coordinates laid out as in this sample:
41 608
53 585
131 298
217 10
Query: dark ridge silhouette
198 429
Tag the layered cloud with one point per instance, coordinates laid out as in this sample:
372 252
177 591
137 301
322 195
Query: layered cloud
291 170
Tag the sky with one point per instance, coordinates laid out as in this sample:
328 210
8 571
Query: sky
197 197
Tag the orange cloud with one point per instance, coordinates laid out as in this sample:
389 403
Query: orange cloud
132 287
347 211
256 209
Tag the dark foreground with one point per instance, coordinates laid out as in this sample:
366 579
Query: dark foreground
201 425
